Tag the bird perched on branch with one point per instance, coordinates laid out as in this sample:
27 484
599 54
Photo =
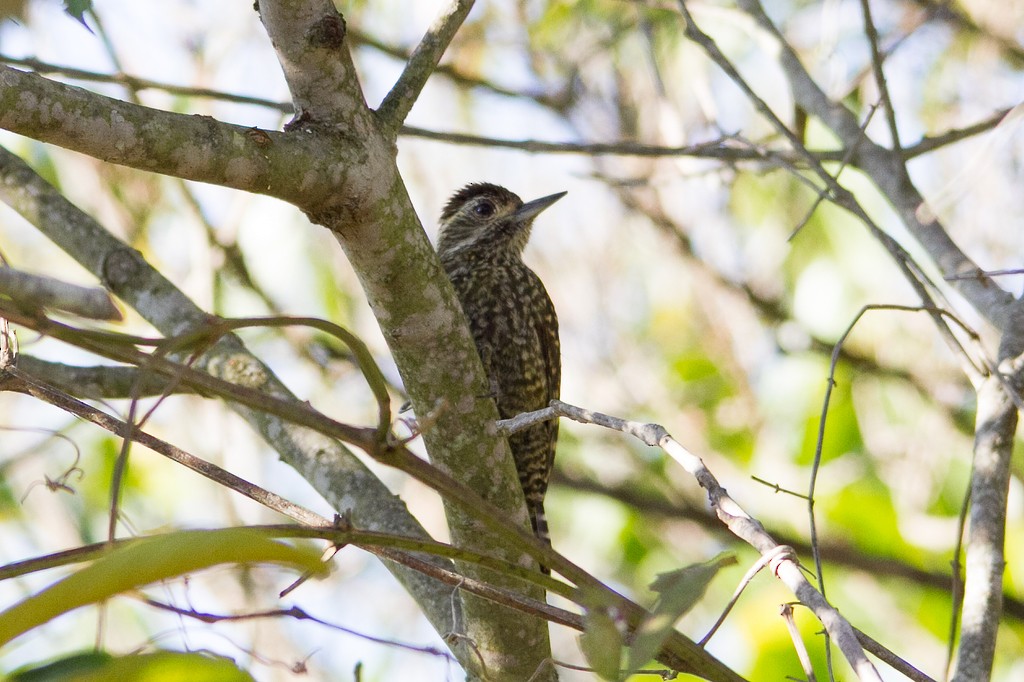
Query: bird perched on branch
484 229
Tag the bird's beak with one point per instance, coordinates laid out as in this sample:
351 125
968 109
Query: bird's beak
530 210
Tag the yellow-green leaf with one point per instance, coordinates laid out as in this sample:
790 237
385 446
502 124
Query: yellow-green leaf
162 666
601 644
149 560
678 591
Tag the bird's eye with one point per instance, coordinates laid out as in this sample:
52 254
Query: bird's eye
484 209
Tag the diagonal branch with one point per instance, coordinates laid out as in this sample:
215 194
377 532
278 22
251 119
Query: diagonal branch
888 171
419 315
421 65
876 64
785 567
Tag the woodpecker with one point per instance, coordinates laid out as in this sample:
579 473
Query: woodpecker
484 229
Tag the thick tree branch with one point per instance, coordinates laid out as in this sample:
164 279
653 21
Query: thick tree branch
309 38
351 185
296 168
340 169
419 316
98 382
997 418
679 652
422 63
998 400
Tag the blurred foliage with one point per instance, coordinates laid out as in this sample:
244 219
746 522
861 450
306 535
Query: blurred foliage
686 294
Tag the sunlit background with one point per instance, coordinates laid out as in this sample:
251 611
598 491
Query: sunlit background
683 293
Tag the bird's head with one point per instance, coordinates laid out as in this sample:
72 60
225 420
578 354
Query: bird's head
488 217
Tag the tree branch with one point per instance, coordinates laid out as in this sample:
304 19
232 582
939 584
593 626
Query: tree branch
99 382
888 171
990 481
786 568
296 168
715 149
883 87
309 38
419 315
422 63
36 291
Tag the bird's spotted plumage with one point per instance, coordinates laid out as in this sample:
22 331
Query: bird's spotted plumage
484 229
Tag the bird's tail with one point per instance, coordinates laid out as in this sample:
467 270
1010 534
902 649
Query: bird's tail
539 521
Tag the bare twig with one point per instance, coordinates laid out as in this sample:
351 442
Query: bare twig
886 168
678 651
761 562
798 642
710 150
876 64
138 84
823 195
778 488
978 368
296 613
18 380
956 582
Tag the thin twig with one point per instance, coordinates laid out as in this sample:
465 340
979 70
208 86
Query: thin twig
798 643
298 614
876 63
823 194
708 150
778 488
956 586
761 562
678 651
137 83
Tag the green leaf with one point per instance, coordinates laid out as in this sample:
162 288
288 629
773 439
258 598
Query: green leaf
601 643
149 560
162 666
678 591
77 9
